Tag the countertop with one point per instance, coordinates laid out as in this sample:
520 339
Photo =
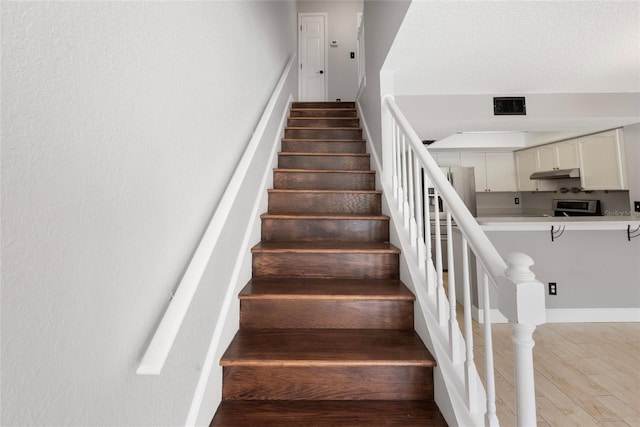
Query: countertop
532 223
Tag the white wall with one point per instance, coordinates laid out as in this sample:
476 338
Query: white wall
464 53
122 124
381 21
342 27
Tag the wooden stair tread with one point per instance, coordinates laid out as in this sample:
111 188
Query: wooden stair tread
293 153
332 413
345 216
327 347
323 139
336 289
294 191
325 247
356 171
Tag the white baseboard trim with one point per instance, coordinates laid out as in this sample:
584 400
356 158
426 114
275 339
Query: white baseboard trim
571 315
595 315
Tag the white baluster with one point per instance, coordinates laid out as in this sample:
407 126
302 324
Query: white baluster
401 186
419 196
431 285
411 198
469 364
491 418
442 312
394 160
454 328
405 186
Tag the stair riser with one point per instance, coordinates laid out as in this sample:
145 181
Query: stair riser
327 383
324 105
329 265
354 147
324 122
318 230
326 314
357 203
328 112
323 133
353 163
323 181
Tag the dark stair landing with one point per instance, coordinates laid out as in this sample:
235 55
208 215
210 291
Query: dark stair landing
326 327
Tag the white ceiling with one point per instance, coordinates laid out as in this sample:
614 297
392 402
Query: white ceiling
447 48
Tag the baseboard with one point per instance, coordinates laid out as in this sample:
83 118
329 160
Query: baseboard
595 315
477 314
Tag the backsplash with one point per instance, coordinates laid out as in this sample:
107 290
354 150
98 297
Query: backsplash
614 203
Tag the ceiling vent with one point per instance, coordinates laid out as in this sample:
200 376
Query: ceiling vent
509 106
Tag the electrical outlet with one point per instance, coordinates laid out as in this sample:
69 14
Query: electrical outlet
516 200
636 206
553 288
352 55
338 100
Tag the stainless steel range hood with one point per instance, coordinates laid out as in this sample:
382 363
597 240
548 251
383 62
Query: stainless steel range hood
556 174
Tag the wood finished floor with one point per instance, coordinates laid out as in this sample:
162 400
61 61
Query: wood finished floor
587 374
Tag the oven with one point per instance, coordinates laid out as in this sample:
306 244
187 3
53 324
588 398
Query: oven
576 207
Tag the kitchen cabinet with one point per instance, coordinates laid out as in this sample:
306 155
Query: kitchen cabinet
528 162
493 171
445 158
602 162
560 155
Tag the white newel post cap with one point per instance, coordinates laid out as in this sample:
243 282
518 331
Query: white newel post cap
518 267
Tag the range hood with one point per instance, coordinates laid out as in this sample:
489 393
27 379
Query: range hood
556 174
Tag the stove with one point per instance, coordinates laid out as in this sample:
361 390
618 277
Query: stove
576 207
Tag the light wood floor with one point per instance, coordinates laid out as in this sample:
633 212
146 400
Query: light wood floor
587 374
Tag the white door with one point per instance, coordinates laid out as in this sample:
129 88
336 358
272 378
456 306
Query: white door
311 47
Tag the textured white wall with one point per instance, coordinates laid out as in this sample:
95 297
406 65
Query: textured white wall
381 22
121 124
342 70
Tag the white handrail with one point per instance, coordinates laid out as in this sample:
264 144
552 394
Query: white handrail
162 341
520 295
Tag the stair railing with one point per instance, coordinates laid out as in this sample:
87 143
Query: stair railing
410 171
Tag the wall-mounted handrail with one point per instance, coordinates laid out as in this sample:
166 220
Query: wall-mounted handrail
167 330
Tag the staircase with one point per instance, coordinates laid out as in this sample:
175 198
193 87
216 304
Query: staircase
326 327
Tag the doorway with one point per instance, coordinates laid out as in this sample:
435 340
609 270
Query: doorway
312 57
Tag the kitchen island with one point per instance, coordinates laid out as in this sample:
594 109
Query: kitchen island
593 261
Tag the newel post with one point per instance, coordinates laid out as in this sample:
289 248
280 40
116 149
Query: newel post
526 310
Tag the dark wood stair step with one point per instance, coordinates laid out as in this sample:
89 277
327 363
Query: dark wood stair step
340 260
323 112
323 105
325 304
305 364
325 201
316 122
327 227
323 133
340 413
323 146
318 179
324 161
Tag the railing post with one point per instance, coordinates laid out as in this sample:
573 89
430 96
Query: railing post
522 301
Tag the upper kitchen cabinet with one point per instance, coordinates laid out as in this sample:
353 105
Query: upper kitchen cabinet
493 171
602 163
561 155
527 162
446 158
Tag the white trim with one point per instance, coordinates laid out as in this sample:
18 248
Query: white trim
326 51
234 284
477 314
592 315
605 223
162 341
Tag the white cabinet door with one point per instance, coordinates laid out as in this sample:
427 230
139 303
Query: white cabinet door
547 159
476 161
501 172
445 158
567 154
526 164
602 161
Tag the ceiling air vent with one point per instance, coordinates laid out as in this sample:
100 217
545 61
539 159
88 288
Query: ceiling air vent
509 106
